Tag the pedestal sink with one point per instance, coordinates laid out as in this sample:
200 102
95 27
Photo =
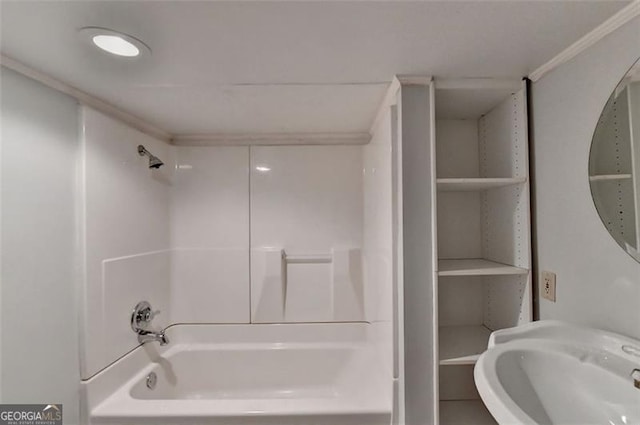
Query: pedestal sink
551 372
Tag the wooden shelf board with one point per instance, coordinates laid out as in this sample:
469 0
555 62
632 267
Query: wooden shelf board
465 412
462 345
476 267
472 183
609 177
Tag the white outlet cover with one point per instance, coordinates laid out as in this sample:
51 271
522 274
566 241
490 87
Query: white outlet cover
548 285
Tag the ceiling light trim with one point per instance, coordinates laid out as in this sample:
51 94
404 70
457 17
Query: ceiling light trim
623 16
90 33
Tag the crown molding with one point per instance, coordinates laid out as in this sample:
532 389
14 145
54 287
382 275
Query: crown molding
270 139
85 98
213 139
623 16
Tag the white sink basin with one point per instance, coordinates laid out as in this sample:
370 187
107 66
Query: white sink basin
550 372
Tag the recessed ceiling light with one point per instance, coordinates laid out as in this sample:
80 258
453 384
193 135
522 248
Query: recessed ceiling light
263 168
114 42
116 45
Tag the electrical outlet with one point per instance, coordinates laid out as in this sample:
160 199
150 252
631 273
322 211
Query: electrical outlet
548 286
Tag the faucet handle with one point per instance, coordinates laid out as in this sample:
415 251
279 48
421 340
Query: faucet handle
153 314
142 316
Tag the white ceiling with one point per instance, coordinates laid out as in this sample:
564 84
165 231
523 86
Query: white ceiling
229 67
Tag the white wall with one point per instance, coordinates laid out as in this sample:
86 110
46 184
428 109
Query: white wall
126 236
598 284
38 322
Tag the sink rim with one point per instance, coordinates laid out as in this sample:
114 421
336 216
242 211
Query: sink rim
543 336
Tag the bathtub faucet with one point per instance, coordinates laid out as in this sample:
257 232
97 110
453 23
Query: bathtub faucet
141 321
146 336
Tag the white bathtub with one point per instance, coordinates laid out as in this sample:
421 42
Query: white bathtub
293 374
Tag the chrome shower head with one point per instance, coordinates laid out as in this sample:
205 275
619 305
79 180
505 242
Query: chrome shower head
154 161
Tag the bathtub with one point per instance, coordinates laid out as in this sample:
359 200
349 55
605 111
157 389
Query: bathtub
289 374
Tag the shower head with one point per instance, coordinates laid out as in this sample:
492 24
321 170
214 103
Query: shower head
154 161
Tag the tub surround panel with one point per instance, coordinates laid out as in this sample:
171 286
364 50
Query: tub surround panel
307 289
210 235
209 198
209 286
181 238
139 277
308 293
306 199
267 285
377 253
347 291
125 214
306 217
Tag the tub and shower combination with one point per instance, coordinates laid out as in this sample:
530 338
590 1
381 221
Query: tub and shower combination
281 374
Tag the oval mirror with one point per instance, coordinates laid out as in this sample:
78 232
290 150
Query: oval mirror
614 163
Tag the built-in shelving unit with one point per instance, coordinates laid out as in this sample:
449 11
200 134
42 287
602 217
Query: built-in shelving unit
483 277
